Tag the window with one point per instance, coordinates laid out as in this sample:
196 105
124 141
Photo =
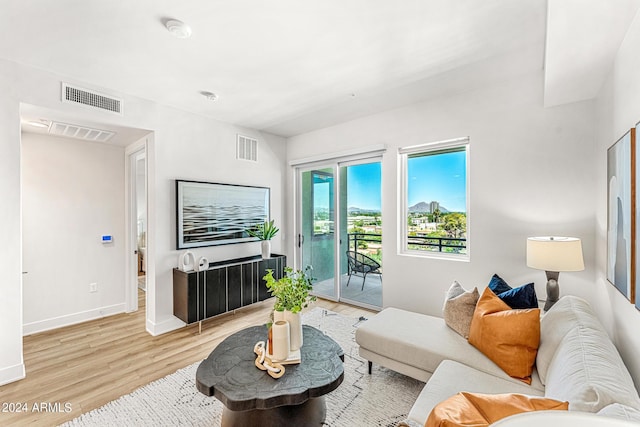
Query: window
434 199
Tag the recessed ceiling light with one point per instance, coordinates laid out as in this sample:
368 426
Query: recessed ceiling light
210 96
38 124
178 28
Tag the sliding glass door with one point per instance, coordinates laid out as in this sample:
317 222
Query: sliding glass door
339 225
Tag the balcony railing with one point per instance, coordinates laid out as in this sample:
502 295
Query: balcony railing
424 243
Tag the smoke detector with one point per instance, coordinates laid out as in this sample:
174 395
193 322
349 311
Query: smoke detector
178 28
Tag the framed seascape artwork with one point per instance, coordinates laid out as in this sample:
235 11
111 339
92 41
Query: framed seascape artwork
621 214
217 214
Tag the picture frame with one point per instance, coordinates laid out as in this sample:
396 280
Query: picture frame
209 214
621 215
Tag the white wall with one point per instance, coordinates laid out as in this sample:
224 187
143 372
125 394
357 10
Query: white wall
531 173
11 360
182 145
618 110
72 194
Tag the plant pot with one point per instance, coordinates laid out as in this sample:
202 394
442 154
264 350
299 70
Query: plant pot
278 316
265 245
295 329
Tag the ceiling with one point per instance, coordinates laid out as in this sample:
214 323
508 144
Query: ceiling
289 67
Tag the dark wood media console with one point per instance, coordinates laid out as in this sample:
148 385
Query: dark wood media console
224 286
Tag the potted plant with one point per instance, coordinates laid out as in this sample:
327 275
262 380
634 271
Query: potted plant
264 232
292 294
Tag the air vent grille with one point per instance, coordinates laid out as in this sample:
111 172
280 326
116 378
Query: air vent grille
89 98
80 132
247 148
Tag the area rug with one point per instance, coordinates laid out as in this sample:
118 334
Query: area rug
381 399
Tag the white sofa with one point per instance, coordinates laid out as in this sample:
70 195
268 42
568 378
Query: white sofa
576 361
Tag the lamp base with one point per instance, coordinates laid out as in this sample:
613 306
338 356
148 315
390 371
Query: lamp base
553 290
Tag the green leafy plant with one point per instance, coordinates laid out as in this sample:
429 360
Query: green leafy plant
292 291
264 231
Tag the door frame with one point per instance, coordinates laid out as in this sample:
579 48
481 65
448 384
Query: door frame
132 153
335 160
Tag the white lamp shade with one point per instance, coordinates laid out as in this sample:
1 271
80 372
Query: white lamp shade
555 253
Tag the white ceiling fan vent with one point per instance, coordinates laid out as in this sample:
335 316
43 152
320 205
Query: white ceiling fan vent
80 132
91 98
247 148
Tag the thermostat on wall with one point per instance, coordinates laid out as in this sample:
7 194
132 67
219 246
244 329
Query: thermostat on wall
107 238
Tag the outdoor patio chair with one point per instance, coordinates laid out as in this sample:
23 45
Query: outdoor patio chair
362 264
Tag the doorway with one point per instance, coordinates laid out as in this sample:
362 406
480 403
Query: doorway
138 224
339 228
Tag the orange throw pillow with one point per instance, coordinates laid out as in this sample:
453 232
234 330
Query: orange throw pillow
480 410
510 338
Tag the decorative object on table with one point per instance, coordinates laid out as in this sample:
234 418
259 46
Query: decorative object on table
292 295
620 214
202 264
554 254
186 261
215 214
264 232
280 340
275 370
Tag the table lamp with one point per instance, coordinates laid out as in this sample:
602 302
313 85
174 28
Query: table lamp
554 254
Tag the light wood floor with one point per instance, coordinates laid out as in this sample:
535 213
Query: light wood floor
87 365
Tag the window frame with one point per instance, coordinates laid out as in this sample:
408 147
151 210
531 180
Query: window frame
431 148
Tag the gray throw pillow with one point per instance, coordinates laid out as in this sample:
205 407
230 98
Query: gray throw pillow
459 306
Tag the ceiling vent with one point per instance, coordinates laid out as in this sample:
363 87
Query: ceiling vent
80 132
76 95
247 148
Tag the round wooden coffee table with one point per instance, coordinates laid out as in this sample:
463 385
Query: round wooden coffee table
252 397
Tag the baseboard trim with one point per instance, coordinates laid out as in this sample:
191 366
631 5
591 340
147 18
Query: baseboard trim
165 326
71 319
12 374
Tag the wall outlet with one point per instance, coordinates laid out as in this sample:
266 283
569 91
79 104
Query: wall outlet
93 287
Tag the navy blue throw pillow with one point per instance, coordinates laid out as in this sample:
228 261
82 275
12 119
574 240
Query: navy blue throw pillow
522 297
516 298
498 286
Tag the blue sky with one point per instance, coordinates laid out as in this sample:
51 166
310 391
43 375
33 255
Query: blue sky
437 177
440 178
363 186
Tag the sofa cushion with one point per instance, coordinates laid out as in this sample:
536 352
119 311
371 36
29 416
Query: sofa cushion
616 410
521 297
498 285
587 371
481 410
508 337
565 315
458 309
423 342
452 377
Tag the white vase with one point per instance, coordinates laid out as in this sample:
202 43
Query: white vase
278 316
280 339
265 245
295 329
